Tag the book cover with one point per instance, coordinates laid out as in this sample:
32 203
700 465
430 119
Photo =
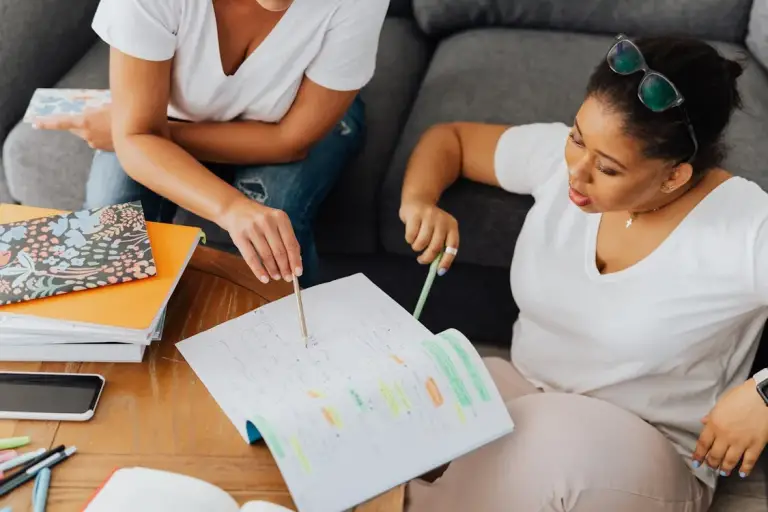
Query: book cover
71 252
51 102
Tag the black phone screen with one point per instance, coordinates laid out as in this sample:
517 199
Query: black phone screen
62 393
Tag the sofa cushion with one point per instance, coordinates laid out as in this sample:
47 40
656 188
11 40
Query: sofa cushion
724 20
401 8
46 168
757 34
524 77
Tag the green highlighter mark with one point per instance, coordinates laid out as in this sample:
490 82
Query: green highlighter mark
446 365
358 399
477 380
265 431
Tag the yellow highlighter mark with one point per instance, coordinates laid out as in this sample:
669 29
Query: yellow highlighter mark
300 455
332 417
389 397
462 418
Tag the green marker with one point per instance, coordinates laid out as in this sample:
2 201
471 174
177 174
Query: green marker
13 442
427 285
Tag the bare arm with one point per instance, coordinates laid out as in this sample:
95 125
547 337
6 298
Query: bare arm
313 114
140 133
445 153
141 137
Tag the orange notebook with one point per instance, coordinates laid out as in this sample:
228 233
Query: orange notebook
135 305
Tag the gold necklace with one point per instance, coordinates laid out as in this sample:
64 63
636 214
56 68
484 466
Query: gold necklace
633 216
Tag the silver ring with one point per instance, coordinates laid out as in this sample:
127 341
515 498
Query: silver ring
451 250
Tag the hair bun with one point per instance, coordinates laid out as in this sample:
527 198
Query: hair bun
734 68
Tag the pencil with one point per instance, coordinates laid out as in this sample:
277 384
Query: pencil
302 321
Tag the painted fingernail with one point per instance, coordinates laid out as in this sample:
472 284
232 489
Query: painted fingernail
276 277
441 272
288 278
35 126
264 279
723 473
298 271
696 464
742 474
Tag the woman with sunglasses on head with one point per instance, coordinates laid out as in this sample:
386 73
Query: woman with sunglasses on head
641 275
244 112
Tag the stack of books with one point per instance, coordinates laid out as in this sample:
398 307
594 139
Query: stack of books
88 286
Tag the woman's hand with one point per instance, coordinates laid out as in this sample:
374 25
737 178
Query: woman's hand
94 126
429 230
736 428
265 239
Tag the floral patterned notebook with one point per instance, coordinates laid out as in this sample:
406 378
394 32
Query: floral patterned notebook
73 252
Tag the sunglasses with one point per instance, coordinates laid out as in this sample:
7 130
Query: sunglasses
656 91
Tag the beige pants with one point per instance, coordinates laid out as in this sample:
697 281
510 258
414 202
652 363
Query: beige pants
567 453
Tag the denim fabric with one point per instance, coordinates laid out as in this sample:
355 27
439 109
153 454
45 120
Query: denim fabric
297 188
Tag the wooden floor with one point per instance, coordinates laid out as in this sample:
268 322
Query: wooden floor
733 494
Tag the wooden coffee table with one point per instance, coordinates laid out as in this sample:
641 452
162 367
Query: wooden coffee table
159 415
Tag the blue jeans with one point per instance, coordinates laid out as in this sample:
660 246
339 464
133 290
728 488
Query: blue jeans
297 188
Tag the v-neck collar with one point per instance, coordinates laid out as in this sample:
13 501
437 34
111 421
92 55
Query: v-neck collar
213 28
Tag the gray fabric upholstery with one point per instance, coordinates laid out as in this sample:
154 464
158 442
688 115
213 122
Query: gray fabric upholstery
401 8
724 20
39 41
757 34
46 168
523 77
346 219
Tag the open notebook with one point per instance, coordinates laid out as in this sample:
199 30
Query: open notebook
373 401
151 490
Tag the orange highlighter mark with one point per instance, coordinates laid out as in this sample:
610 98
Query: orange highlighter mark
332 417
315 394
434 392
397 359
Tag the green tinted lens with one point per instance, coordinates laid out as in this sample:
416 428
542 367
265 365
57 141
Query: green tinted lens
624 58
657 93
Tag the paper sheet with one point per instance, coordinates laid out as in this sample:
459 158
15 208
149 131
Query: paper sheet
374 401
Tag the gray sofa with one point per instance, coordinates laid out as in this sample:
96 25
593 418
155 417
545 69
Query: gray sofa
509 61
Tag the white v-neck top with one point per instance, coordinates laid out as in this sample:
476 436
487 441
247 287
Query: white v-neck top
663 338
333 42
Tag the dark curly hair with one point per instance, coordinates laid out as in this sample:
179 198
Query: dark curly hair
706 80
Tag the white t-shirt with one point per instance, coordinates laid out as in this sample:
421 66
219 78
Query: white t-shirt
663 338
333 42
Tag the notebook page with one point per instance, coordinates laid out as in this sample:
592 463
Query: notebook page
374 401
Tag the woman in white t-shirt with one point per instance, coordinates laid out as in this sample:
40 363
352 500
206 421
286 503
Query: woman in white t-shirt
641 275
244 112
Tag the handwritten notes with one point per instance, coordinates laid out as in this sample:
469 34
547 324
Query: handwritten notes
374 401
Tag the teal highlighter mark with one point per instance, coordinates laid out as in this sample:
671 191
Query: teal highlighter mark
259 428
477 379
358 399
447 367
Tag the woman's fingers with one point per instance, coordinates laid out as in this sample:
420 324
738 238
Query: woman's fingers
749 460
716 453
706 439
732 457
248 253
291 244
435 245
412 227
424 236
259 241
275 241
451 248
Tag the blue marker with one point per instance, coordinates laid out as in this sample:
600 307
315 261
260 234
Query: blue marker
40 490
427 285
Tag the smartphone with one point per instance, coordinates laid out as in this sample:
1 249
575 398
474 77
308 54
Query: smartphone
49 396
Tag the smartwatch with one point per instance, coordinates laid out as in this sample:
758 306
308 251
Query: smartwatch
761 382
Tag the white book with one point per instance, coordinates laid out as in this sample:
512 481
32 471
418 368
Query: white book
373 401
152 490
86 353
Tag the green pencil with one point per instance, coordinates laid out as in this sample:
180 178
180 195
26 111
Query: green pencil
433 267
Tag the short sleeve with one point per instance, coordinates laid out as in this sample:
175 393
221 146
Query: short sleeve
347 58
145 29
761 262
528 155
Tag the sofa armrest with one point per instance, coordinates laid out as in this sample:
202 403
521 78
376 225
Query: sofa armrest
41 40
